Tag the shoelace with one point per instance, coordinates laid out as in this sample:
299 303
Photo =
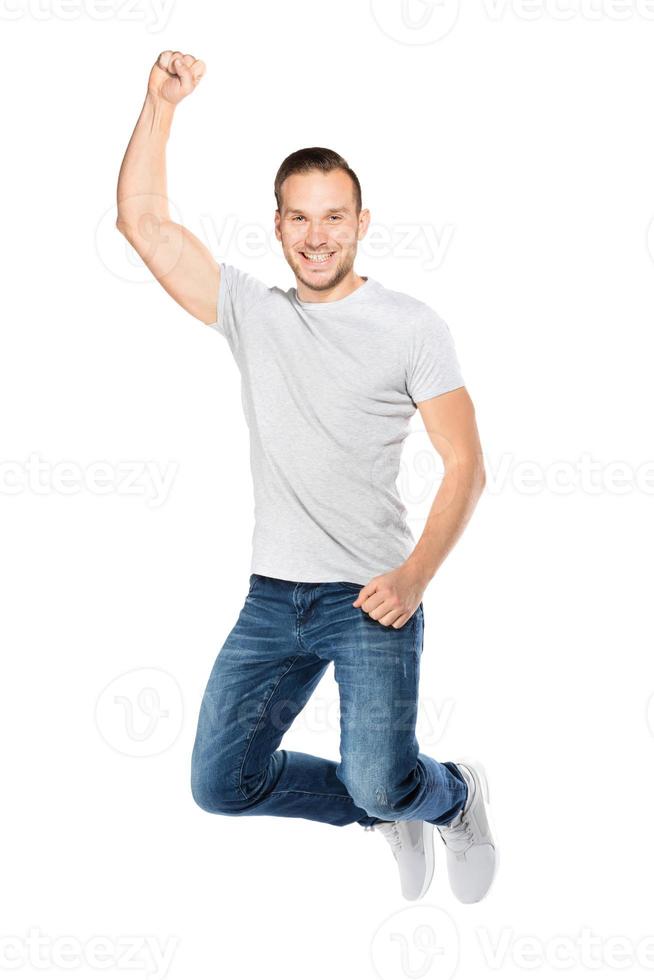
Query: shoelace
391 833
457 838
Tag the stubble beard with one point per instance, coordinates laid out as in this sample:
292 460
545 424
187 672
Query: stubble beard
342 269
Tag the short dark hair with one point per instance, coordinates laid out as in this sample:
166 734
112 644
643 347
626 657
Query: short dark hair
315 158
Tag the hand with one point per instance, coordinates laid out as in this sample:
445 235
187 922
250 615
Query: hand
392 598
174 76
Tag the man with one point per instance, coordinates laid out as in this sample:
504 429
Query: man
332 371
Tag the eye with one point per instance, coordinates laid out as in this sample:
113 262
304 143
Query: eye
337 216
297 217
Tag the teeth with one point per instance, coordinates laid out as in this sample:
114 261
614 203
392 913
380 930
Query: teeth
318 256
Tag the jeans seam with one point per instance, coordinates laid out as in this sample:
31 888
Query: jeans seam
305 792
258 722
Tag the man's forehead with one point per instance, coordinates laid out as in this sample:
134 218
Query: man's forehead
311 190
326 210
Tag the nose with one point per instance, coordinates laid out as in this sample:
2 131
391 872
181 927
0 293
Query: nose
315 237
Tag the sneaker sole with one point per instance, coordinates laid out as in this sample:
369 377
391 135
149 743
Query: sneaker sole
428 844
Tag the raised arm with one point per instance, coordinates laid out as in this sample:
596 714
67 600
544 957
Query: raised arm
181 263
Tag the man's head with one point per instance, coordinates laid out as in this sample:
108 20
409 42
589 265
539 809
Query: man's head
319 214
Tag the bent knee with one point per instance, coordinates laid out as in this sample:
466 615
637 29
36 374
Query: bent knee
216 797
206 799
376 797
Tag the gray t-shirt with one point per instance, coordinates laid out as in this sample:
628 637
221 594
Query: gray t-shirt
328 390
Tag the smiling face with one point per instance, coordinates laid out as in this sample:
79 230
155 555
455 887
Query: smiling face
319 227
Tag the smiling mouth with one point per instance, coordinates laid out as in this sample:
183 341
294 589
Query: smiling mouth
317 258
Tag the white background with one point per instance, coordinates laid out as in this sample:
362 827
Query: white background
519 139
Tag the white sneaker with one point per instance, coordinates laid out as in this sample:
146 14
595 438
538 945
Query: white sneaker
471 851
412 843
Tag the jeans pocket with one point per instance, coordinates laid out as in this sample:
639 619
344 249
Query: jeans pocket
419 617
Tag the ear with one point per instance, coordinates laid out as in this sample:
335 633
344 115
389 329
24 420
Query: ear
364 221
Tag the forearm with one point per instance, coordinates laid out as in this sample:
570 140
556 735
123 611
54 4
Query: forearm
142 186
457 497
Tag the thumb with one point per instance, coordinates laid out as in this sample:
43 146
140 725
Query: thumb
366 591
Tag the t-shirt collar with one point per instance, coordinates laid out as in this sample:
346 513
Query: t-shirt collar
355 295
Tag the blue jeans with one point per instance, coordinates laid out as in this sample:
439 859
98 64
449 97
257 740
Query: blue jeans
286 635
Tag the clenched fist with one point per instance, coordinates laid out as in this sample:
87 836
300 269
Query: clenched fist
174 75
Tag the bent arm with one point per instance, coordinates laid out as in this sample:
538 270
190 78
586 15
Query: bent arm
451 424
177 259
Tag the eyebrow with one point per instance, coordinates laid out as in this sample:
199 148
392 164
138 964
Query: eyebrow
328 210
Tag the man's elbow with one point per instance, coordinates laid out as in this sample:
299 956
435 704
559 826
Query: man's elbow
124 227
470 470
479 473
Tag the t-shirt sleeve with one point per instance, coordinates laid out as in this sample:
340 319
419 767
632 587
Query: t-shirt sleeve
433 365
238 293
